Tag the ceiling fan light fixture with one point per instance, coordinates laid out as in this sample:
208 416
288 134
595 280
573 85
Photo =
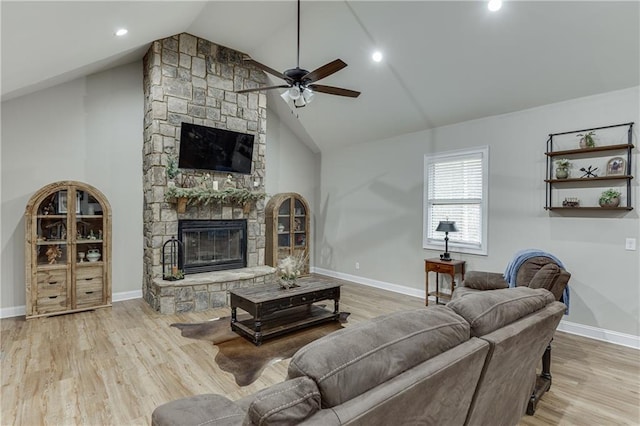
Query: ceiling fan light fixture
308 95
294 92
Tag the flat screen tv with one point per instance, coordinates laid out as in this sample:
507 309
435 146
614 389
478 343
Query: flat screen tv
206 148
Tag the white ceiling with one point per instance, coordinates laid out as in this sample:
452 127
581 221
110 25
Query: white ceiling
445 62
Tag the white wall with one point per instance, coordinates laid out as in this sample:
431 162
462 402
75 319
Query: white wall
371 209
88 130
291 167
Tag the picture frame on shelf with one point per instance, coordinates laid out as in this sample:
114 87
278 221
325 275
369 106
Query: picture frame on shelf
616 166
62 202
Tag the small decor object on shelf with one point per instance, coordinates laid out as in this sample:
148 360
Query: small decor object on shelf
587 140
80 257
446 227
290 268
171 252
610 198
562 172
53 254
93 255
571 202
589 172
229 182
615 166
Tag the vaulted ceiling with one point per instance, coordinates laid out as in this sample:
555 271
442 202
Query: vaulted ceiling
444 61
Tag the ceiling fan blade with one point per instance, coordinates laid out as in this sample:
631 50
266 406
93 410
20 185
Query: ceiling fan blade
324 71
333 90
257 89
266 69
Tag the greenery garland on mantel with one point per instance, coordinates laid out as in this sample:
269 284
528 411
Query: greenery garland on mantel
204 196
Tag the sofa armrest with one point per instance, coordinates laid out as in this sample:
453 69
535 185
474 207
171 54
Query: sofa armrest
480 280
209 409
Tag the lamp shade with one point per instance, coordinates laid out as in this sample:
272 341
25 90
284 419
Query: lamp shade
446 226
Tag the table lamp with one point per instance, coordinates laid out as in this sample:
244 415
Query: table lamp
446 227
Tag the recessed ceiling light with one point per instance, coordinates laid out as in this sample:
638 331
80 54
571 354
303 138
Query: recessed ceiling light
494 5
121 32
377 56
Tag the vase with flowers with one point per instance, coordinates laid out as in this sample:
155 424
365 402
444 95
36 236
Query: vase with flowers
290 268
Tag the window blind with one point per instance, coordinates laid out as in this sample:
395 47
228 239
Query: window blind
455 191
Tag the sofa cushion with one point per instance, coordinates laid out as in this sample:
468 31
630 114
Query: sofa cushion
285 403
196 410
487 311
545 277
351 361
484 280
528 269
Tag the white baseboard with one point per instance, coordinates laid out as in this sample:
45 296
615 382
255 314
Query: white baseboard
16 311
596 333
371 283
588 331
126 295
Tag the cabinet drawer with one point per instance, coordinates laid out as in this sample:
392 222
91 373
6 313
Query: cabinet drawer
55 278
88 285
51 303
86 298
443 269
86 273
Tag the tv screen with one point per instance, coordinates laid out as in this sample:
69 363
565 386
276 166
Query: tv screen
206 148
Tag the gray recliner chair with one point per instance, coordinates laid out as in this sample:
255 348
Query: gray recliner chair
535 271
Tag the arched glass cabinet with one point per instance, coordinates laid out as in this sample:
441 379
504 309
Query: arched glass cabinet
67 249
287 217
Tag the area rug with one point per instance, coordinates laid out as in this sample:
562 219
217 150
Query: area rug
244 360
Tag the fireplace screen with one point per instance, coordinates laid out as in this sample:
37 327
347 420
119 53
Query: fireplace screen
213 245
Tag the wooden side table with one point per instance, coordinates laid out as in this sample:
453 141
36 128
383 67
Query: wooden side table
439 266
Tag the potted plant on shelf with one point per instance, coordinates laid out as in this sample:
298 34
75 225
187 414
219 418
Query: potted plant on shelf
587 139
562 171
610 198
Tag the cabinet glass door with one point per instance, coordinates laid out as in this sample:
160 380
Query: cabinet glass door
284 227
299 224
52 228
89 229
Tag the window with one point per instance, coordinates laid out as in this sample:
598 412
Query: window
455 189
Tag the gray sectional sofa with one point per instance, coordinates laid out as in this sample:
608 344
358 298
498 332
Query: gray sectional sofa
471 362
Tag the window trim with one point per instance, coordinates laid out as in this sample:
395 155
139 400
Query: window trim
430 243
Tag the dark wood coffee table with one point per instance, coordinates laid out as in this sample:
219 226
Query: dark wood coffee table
276 311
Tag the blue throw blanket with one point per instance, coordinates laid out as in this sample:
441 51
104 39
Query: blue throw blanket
524 255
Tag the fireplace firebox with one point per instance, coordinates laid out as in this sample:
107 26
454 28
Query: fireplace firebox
212 245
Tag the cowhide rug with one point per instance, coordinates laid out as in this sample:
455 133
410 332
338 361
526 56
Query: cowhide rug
240 357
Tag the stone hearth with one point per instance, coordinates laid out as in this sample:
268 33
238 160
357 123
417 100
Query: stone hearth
207 290
191 80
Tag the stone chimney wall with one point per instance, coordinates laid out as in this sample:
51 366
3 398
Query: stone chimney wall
188 79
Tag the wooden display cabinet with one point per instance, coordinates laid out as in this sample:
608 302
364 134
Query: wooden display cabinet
67 250
287 217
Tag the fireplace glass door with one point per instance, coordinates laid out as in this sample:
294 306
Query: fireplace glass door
213 245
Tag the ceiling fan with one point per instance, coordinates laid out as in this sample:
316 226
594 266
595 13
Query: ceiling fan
300 82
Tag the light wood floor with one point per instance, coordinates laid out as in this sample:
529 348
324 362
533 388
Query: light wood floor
114 366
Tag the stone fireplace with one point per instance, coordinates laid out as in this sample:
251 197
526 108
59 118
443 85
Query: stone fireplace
191 80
